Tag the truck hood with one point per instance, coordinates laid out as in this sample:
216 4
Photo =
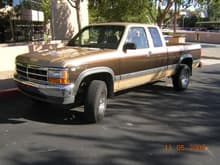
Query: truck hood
58 57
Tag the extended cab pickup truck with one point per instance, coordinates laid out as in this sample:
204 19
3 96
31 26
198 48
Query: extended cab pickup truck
101 60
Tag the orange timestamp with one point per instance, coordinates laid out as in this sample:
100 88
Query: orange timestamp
184 147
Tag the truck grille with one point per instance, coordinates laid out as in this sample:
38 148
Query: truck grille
32 73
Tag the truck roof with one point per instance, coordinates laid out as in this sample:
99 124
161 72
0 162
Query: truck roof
122 24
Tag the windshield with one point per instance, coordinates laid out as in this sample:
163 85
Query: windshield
98 37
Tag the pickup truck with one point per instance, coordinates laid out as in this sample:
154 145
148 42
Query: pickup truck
101 60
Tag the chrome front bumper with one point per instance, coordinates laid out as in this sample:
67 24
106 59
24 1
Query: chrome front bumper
59 94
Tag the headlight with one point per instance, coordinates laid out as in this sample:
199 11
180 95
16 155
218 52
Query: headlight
58 76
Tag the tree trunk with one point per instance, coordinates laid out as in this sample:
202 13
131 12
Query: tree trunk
11 29
78 16
163 12
76 4
159 21
175 17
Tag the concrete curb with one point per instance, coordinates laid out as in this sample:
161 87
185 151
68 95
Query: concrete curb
208 57
9 92
7 86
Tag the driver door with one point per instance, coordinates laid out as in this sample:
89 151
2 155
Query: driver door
134 60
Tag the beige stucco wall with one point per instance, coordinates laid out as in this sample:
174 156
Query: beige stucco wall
8 52
206 37
64 23
64 19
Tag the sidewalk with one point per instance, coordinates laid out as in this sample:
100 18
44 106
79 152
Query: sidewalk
210 51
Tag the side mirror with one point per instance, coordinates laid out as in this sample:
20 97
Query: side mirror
129 45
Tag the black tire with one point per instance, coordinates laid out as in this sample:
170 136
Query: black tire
96 102
181 78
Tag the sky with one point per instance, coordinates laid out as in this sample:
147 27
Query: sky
16 2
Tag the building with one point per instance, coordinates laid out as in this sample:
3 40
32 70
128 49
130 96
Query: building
21 20
25 20
64 20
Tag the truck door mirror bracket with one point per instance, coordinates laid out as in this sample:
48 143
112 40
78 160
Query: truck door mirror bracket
129 45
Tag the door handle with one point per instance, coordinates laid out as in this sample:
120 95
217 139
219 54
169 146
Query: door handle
149 54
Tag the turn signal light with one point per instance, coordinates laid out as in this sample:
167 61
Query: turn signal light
58 81
58 77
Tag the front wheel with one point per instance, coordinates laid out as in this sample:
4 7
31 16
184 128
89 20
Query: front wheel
96 101
181 78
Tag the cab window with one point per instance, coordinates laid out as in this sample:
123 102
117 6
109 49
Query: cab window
137 36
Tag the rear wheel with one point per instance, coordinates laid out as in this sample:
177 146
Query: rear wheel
96 102
181 78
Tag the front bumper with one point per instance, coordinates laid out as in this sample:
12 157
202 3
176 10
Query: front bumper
58 94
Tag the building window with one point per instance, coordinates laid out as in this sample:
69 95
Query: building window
21 20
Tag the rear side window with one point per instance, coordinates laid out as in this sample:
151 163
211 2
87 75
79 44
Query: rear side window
155 36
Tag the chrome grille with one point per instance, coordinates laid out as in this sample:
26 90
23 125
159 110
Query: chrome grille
32 73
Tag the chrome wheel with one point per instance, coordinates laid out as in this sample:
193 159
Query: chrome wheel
181 78
185 78
102 103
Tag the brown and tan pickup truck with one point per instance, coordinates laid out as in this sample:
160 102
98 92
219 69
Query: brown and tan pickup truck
101 60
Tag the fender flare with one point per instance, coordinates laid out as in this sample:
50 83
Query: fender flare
185 56
89 72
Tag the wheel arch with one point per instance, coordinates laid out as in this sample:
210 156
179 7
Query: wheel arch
188 60
98 73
